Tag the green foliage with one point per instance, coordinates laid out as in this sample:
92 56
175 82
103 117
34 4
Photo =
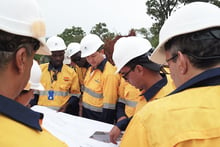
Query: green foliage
144 32
160 10
102 31
74 34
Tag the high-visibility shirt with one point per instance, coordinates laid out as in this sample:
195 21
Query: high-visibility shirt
101 92
60 90
129 97
20 127
156 91
81 72
189 116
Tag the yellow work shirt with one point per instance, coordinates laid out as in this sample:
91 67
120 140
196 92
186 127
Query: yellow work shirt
130 96
20 127
190 118
66 85
100 90
165 90
81 72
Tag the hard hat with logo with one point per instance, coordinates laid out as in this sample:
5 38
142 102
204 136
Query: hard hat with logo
35 77
72 49
23 17
128 48
193 17
56 43
90 44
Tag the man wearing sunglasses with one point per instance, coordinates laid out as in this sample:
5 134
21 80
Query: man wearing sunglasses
131 57
189 42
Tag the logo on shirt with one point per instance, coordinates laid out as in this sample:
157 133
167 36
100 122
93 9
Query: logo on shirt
66 78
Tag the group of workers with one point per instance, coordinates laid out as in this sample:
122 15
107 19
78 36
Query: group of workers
132 90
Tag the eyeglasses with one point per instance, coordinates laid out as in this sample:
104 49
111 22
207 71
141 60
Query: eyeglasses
165 67
124 75
171 58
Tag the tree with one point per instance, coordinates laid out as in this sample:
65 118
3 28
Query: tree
144 32
74 34
102 31
160 10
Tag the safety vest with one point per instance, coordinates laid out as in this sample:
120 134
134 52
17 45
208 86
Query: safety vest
57 92
128 95
101 88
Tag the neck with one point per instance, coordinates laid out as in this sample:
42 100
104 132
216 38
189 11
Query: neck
151 80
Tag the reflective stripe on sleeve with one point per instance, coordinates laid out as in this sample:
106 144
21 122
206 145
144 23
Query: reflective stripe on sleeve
128 102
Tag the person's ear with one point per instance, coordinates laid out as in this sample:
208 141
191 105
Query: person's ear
182 63
21 59
139 68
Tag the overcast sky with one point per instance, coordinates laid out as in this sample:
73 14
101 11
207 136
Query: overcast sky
119 15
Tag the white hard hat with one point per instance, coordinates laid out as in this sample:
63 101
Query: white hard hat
72 49
128 48
23 17
56 43
193 17
35 77
90 44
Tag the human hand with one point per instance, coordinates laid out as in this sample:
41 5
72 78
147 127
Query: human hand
114 134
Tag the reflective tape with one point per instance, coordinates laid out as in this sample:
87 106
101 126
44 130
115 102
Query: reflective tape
92 93
58 93
128 102
93 108
109 106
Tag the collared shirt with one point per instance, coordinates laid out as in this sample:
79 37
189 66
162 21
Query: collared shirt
152 91
20 126
101 66
207 78
101 92
189 116
158 90
19 113
51 67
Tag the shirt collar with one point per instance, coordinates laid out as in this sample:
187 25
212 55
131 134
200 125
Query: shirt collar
20 113
206 78
101 66
153 90
51 67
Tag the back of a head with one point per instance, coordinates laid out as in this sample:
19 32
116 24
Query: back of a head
90 44
35 77
190 18
128 48
56 43
23 18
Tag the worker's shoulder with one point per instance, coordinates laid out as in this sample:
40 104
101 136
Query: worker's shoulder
44 65
68 69
32 136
